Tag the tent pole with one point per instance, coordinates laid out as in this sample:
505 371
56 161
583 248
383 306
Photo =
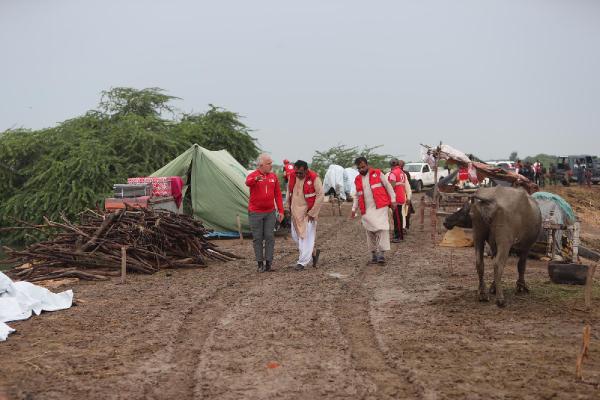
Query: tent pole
239 225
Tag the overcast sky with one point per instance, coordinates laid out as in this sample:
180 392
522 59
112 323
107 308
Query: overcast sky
485 76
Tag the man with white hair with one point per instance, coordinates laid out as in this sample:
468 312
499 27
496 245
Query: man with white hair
265 194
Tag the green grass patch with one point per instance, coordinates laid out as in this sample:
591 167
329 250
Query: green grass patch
554 293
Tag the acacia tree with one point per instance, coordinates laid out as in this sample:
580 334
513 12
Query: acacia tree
123 101
344 156
219 129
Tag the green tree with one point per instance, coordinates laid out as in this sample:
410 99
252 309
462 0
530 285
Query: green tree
219 129
545 159
513 156
149 102
344 156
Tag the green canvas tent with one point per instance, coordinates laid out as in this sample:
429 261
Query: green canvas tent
218 187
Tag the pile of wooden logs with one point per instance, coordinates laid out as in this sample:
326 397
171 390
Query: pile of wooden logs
92 249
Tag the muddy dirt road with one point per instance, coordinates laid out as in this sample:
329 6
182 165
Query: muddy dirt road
410 329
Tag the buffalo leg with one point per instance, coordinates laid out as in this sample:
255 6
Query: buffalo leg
482 291
521 285
493 251
499 263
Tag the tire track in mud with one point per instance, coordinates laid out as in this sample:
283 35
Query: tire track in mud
387 381
171 371
166 374
403 290
383 376
209 377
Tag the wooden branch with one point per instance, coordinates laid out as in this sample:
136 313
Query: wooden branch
583 353
153 241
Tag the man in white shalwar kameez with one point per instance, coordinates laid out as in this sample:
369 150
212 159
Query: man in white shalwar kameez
305 197
375 219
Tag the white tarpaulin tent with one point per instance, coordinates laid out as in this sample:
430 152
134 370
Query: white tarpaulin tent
334 179
349 177
19 300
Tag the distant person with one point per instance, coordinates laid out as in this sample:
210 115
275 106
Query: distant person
374 195
578 172
527 171
552 175
536 172
401 186
265 193
288 168
463 176
304 198
581 172
542 177
518 166
411 209
588 177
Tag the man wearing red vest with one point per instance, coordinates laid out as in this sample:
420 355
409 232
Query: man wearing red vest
374 195
288 169
401 186
265 193
304 197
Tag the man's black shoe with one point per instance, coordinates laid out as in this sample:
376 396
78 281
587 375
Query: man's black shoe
268 266
316 258
373 259
299 267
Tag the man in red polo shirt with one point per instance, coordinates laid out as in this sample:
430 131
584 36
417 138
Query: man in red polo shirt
265 194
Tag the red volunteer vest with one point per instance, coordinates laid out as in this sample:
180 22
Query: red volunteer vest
398 185
288 169
310 194
380 195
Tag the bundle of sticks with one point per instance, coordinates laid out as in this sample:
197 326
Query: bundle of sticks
92 249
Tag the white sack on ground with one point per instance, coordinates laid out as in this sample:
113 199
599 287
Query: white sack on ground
19 300
334 178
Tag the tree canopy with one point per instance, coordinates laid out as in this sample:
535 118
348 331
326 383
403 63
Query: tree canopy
72 166
345 156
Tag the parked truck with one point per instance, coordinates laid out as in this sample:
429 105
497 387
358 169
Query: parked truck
421 175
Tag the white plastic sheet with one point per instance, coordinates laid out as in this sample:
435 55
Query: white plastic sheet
349 177
19 300
451 152
334 178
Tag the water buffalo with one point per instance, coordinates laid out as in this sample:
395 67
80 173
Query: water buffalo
505 218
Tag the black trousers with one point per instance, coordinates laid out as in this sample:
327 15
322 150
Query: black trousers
398 234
